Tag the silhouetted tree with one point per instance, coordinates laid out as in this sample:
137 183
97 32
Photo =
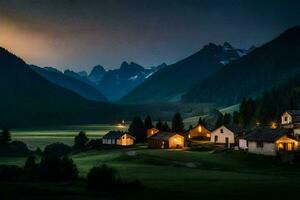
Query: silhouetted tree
5 136
69 169
148 122
177 123
166 127
137 129
57 149
102 178
30 162
80 140
227 119
202 121
219 121
236 117
159 125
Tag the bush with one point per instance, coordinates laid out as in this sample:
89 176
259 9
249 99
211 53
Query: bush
105 179
57 149
10 172
80 140
15 148
102 178
53 168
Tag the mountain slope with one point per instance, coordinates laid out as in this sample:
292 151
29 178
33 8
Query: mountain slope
118 82
28 99
172 81
83 89
263 68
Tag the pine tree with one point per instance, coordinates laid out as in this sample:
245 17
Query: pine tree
227 119
202 121
148 122
5 136
80 140
166 127
137 129
236 117
159 125
219 121
177 123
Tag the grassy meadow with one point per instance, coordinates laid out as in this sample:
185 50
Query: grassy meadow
41 137
177 173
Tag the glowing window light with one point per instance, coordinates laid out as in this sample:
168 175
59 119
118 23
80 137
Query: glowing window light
199 128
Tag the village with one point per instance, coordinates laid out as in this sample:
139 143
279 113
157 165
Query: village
274 140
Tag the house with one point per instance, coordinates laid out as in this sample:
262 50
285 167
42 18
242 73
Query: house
151 131
166 140
269 141
118 138
227 135
290 119
199 132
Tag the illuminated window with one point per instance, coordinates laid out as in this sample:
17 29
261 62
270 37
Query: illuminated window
280 146
290 146
199 129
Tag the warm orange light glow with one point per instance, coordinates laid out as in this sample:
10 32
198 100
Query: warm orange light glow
207 135
273 125
189 136
199 128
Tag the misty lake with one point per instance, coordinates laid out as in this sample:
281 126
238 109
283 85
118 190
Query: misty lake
41 137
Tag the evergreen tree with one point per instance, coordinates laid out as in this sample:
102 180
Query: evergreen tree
5 136
227 119
219 121
80 140
177 123
30 162
159 125
202 121
137 129
148 122
166 127
236 117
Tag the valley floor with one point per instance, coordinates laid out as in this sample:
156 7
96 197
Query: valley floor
177 174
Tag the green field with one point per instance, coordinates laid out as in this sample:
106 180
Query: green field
40 137
186 173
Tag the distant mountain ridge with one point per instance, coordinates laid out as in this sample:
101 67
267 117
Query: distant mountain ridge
80 87
115 83
265 67
172 81
31 100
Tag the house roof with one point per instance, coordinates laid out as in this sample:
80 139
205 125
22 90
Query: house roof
267 134
294 112
163 136
295 115
115 135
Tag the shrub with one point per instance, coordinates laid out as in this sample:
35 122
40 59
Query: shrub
102 178
53 168
10 172
15 148
80 140
57 149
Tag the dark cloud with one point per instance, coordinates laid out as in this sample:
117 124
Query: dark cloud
80 33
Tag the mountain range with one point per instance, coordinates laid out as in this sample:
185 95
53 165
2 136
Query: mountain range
270 65
28 99
171 82
115 83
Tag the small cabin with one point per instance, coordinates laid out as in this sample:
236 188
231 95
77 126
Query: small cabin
227 135
290 118
118 138
166 140
151 131
199 132
267 141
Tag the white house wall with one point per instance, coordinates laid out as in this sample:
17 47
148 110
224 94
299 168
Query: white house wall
267 149
221 136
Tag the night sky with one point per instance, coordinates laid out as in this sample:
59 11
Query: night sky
80 34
